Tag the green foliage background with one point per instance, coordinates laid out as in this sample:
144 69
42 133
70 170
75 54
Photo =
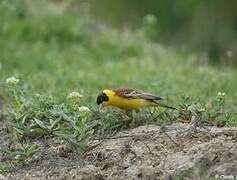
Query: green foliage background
208 26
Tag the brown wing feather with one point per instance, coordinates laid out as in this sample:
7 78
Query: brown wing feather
134 94
123 91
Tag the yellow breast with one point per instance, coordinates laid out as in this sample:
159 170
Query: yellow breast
129 103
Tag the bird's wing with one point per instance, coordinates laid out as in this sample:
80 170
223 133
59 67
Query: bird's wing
135 94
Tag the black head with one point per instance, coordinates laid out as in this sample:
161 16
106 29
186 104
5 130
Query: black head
101 98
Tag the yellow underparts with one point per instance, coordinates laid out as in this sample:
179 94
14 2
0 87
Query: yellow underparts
124 103
130 103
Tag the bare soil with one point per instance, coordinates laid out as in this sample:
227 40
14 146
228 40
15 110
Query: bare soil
146 152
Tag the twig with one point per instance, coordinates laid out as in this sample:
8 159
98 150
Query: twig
117 137
149 149
172 139
91 147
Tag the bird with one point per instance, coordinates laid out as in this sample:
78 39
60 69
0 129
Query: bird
129 99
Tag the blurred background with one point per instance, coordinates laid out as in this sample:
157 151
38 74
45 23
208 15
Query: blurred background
208 26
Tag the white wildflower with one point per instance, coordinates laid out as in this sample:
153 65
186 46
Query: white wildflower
12 81
221 94
74 95
84 109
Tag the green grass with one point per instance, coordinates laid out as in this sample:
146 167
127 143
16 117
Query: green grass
57 50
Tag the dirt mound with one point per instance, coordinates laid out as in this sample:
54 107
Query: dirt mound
147 152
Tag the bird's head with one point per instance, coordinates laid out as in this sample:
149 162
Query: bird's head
104 98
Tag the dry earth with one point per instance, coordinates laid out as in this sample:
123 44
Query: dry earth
145 152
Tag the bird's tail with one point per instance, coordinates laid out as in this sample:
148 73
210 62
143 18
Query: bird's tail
165 106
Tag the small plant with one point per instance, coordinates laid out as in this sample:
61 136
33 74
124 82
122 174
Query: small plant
191 112
14 91
4 167
186 109
81 130
215 109
108 122
35 116
20 154
73 100
213 112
